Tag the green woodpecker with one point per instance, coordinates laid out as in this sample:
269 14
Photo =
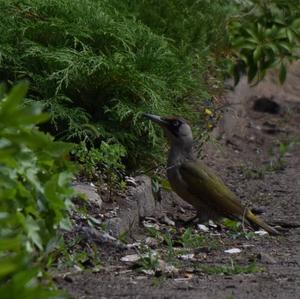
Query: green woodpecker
196 183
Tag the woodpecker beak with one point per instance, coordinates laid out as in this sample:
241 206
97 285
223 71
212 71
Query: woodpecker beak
157 119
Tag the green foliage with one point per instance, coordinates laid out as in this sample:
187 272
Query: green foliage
73 254
106 160
148 261
195 28
236 229
251 173
277 161
231 269
191 240
97 65
265 34
35 195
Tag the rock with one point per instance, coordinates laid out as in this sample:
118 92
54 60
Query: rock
233 250
100 237
148 272
126 219
130 181
139 203
187 257
122 224
131 258
152 242
143 195
90 193
133 245
148 224
261 232
202 228
167 268
212 224
168 221
266 258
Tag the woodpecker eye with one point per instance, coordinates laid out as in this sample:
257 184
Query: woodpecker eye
176 123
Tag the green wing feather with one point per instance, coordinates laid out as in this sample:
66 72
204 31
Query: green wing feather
204 185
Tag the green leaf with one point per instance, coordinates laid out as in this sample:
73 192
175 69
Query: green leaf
11 102
287 46
257 54
10 244
273 47
290 35
253 34
296 24
33 230
8 266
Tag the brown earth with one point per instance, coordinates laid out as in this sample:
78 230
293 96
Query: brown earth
245 151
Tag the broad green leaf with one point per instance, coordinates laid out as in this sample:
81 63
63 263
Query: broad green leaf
64 179
273 47
253 34
288 47
7 266
296 25
10 244
11 102
290 35
33 231
257 54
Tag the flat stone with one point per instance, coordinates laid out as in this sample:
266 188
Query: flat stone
89 192
143 195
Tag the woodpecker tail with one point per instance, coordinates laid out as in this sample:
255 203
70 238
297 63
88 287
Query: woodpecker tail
256 220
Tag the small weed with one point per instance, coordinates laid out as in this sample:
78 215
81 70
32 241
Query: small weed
149 261
191 240
160 182
123 237
277 161
231 269
154 233
73 252
250 173
168 239
158 281
236 230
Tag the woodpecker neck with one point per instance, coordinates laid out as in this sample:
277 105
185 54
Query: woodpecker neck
180 153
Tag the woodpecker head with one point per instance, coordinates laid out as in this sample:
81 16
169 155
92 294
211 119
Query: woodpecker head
177 129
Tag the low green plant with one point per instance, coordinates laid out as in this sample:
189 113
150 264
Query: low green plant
231 269
277 161
170 249
35 196
104 162
191 240
251 173
124 237
155 233
148 261
76 252
236 229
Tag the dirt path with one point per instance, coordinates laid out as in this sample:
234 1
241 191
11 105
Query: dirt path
241 156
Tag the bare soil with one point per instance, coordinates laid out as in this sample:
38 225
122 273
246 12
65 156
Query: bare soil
245 151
